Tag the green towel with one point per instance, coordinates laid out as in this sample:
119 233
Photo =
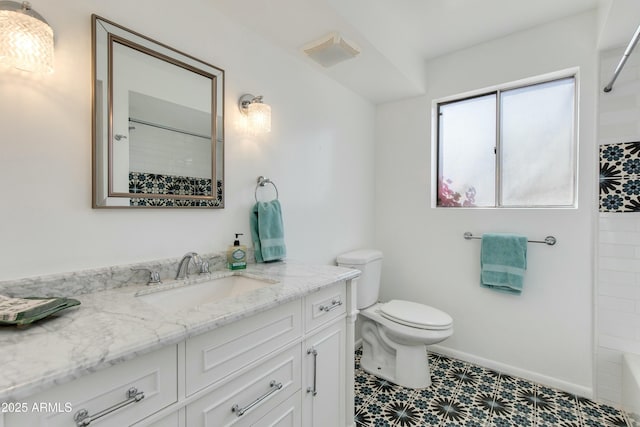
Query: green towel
503 261
267 231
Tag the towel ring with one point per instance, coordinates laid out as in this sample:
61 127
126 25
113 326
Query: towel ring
262 181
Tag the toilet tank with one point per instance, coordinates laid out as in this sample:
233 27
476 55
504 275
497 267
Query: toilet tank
369 262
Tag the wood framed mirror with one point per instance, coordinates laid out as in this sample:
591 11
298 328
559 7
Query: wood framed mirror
158 123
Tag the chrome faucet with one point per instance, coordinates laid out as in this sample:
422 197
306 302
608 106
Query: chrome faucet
183 267
153 278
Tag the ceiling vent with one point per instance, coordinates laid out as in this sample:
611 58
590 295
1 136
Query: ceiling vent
331 49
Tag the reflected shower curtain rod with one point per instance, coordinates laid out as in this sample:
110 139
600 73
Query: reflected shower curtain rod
624 58
171 129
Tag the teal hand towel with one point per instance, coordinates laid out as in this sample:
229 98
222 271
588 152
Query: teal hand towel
267 231
503 261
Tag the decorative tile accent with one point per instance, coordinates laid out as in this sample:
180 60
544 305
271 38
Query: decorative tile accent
620 177
143 182
463 394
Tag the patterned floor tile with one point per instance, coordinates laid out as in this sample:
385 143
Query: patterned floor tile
463 394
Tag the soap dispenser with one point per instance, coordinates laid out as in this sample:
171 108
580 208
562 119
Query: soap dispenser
237 255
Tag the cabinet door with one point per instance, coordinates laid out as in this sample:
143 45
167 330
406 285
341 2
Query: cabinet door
324 377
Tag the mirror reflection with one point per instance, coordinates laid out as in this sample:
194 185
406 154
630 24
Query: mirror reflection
158 124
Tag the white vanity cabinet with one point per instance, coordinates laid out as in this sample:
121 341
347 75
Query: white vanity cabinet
311 366
285 367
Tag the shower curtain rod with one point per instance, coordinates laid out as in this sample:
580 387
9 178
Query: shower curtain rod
626 54
171 129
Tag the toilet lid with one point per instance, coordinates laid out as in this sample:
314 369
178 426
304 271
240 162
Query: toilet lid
415 315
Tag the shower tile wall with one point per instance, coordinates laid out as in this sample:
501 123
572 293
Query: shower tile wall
620 177
617 299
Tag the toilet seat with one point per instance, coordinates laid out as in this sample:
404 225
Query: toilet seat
415 315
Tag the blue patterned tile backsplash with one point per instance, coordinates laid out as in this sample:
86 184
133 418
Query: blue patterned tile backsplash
620 177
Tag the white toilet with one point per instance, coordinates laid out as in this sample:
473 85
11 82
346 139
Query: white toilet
394 334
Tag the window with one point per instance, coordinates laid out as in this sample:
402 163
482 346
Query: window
509 148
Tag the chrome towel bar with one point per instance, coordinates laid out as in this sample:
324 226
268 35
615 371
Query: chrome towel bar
549 240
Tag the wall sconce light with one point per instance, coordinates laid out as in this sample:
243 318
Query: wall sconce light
257 113
26 39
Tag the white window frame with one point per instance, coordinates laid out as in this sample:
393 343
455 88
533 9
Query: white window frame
558 75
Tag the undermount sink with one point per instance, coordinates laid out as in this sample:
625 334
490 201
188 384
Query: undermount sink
192 295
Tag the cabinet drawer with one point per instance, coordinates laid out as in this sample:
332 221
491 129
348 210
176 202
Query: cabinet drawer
248 397
325 305
154 375
171 420
213 356
287 414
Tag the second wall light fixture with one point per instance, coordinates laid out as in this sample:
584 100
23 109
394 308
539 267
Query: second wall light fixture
257 113
26 39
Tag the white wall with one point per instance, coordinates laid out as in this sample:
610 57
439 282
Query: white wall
618 280
545 334
320 152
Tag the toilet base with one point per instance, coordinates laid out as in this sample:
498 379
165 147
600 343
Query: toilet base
416 379
405 365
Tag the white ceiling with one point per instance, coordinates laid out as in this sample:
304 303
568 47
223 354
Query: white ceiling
397 37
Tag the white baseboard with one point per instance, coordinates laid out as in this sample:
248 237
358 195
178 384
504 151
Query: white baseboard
518 372
510 370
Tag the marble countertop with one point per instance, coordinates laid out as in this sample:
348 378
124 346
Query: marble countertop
113 325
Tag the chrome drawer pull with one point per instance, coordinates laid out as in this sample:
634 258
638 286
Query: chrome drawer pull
240 411
335 303
82 417
313 390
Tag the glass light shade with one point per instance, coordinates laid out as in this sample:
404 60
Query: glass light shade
26 42
259 117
